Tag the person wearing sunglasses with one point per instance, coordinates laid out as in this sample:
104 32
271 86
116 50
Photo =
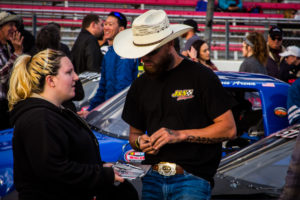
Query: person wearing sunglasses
275 63
116 73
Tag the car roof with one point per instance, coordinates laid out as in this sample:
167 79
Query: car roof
245 76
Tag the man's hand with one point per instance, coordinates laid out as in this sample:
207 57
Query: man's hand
164 136
17 41
145 145
83 113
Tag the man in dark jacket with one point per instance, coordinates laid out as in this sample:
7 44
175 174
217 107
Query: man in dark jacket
86 54
276 66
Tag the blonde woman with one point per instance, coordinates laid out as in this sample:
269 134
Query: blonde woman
56 155
255 53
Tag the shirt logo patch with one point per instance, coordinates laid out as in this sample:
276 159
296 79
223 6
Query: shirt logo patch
183 94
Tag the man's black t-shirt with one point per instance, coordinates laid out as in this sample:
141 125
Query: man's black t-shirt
189 96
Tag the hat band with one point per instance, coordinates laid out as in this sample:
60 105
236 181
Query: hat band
153 43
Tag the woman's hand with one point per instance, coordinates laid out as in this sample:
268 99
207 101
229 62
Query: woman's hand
192 53
118 178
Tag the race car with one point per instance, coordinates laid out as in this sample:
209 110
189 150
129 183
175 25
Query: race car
261 110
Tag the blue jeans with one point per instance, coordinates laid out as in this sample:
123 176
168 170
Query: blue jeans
180 186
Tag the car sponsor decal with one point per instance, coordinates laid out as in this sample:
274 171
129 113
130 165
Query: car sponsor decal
280 112
183 94
134 156
243 83
268 85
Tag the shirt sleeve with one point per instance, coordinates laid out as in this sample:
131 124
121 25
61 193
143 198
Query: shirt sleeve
293 103
215 97
99 96
126 72
6 68
131 112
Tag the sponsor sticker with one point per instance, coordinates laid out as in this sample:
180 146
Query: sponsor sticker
268 85
134 156
280 112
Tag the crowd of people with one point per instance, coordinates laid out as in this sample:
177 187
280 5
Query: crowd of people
59 157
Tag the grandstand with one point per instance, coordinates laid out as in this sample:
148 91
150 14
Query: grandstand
228 28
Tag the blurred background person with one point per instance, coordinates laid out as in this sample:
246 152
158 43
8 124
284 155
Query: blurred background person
56 155
230 5
199 52
190 37
255 53
86 54
292 57
11 46
276 64
63 47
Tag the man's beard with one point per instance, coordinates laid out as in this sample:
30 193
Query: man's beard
160 68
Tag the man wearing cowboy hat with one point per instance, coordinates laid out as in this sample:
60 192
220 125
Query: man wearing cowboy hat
179 113
10 48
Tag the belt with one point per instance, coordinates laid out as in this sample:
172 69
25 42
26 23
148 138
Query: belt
168 169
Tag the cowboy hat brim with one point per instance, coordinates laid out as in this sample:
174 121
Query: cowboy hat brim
124 46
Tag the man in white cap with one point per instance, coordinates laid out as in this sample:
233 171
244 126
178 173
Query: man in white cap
292 58
11 46
291 55
179 113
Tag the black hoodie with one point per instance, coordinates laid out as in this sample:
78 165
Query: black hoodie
56 155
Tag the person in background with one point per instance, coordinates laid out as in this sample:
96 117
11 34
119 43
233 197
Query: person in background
63 47
291 55
56 155
190 36
175 108
292 180
230 5
11 46
255 53
292 58
276 65
199 52
29 40
117 72
49 37
85 53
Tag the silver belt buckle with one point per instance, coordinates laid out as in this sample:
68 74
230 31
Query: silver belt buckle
166 169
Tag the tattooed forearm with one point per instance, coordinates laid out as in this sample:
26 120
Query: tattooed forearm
205 140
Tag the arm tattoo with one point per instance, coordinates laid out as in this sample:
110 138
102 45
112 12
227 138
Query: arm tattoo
169 131
205 140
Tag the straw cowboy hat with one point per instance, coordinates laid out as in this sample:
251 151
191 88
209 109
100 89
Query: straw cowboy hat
149 31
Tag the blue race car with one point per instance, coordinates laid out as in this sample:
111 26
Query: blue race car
261 110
